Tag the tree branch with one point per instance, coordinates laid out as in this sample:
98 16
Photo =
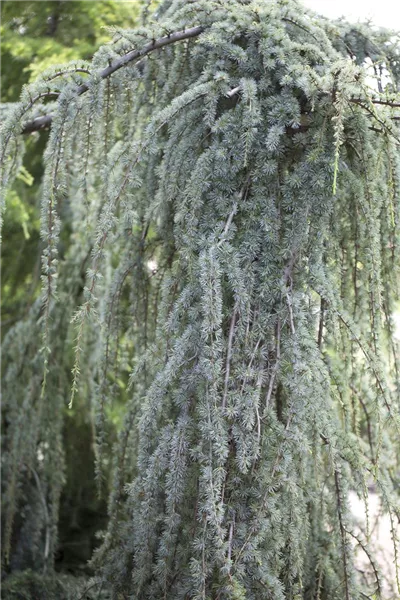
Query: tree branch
386 128
390 103
45 121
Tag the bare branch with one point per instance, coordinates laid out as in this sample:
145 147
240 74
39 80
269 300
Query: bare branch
342 535
45 121
385 127
229 357
390 103
38 124
233 92
46 515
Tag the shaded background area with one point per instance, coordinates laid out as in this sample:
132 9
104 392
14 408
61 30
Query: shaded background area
34 36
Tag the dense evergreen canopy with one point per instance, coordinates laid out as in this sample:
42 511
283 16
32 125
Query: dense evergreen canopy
220 221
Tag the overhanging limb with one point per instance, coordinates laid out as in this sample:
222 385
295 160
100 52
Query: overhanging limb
45 121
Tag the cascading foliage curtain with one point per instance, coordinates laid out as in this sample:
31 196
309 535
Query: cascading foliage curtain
227 200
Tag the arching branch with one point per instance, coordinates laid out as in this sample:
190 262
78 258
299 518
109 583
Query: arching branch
391 103
45 121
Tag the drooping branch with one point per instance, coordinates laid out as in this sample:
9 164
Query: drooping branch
390 103
373 114
45 121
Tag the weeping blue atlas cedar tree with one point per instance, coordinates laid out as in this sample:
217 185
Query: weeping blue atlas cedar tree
228 179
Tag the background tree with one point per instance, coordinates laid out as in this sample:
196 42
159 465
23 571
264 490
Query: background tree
35 35
232 186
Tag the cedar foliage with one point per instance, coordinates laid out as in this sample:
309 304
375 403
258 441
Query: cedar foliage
36 34
231 199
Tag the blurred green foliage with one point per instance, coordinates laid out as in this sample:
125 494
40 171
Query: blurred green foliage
29 585
38 34
35 35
